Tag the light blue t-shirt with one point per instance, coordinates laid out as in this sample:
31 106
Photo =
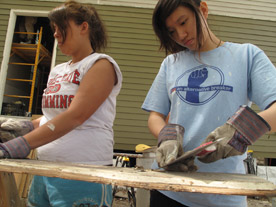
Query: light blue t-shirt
201 93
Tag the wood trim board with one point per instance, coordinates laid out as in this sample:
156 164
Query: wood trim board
8 194
216 183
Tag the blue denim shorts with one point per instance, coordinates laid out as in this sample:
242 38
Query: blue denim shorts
58 192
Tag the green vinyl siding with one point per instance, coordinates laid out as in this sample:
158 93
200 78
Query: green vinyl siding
134 46
4 18
258 32
266 145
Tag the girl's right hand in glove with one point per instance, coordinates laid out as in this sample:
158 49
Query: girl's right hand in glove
170 141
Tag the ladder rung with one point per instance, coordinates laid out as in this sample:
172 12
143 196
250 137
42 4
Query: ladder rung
16 96
26 33
22 80
22 63
25 48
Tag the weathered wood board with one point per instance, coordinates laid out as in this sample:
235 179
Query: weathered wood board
8 194
217 183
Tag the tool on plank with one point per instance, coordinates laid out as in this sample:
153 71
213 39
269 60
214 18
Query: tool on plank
203 149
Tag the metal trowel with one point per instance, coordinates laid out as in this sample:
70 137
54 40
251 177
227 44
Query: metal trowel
203 149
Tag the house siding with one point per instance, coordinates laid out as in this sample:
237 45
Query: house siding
251 9
133 45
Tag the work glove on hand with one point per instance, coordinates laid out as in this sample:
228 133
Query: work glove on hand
169 148
11 128
241 130
6 135
15 148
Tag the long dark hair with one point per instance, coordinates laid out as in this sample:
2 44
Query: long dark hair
79 13
162 11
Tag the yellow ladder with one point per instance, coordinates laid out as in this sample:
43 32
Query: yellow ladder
29 52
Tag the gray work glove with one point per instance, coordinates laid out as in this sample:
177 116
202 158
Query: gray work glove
11 128
6 135
241 130
169 148
15 148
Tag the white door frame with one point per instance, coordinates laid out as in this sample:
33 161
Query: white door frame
7 47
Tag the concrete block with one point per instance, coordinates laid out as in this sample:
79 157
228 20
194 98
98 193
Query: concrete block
267 173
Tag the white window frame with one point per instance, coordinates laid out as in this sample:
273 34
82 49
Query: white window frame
8 42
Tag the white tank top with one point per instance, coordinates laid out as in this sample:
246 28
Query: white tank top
91 142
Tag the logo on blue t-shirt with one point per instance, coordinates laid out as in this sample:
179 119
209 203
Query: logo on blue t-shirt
199 85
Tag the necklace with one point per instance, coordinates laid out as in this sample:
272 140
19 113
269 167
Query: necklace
71 62
218 44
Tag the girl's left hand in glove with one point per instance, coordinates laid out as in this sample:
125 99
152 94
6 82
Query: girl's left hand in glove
241 130
11 128
15 148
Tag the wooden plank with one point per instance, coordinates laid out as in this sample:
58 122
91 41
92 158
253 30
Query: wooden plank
216 183
8 191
